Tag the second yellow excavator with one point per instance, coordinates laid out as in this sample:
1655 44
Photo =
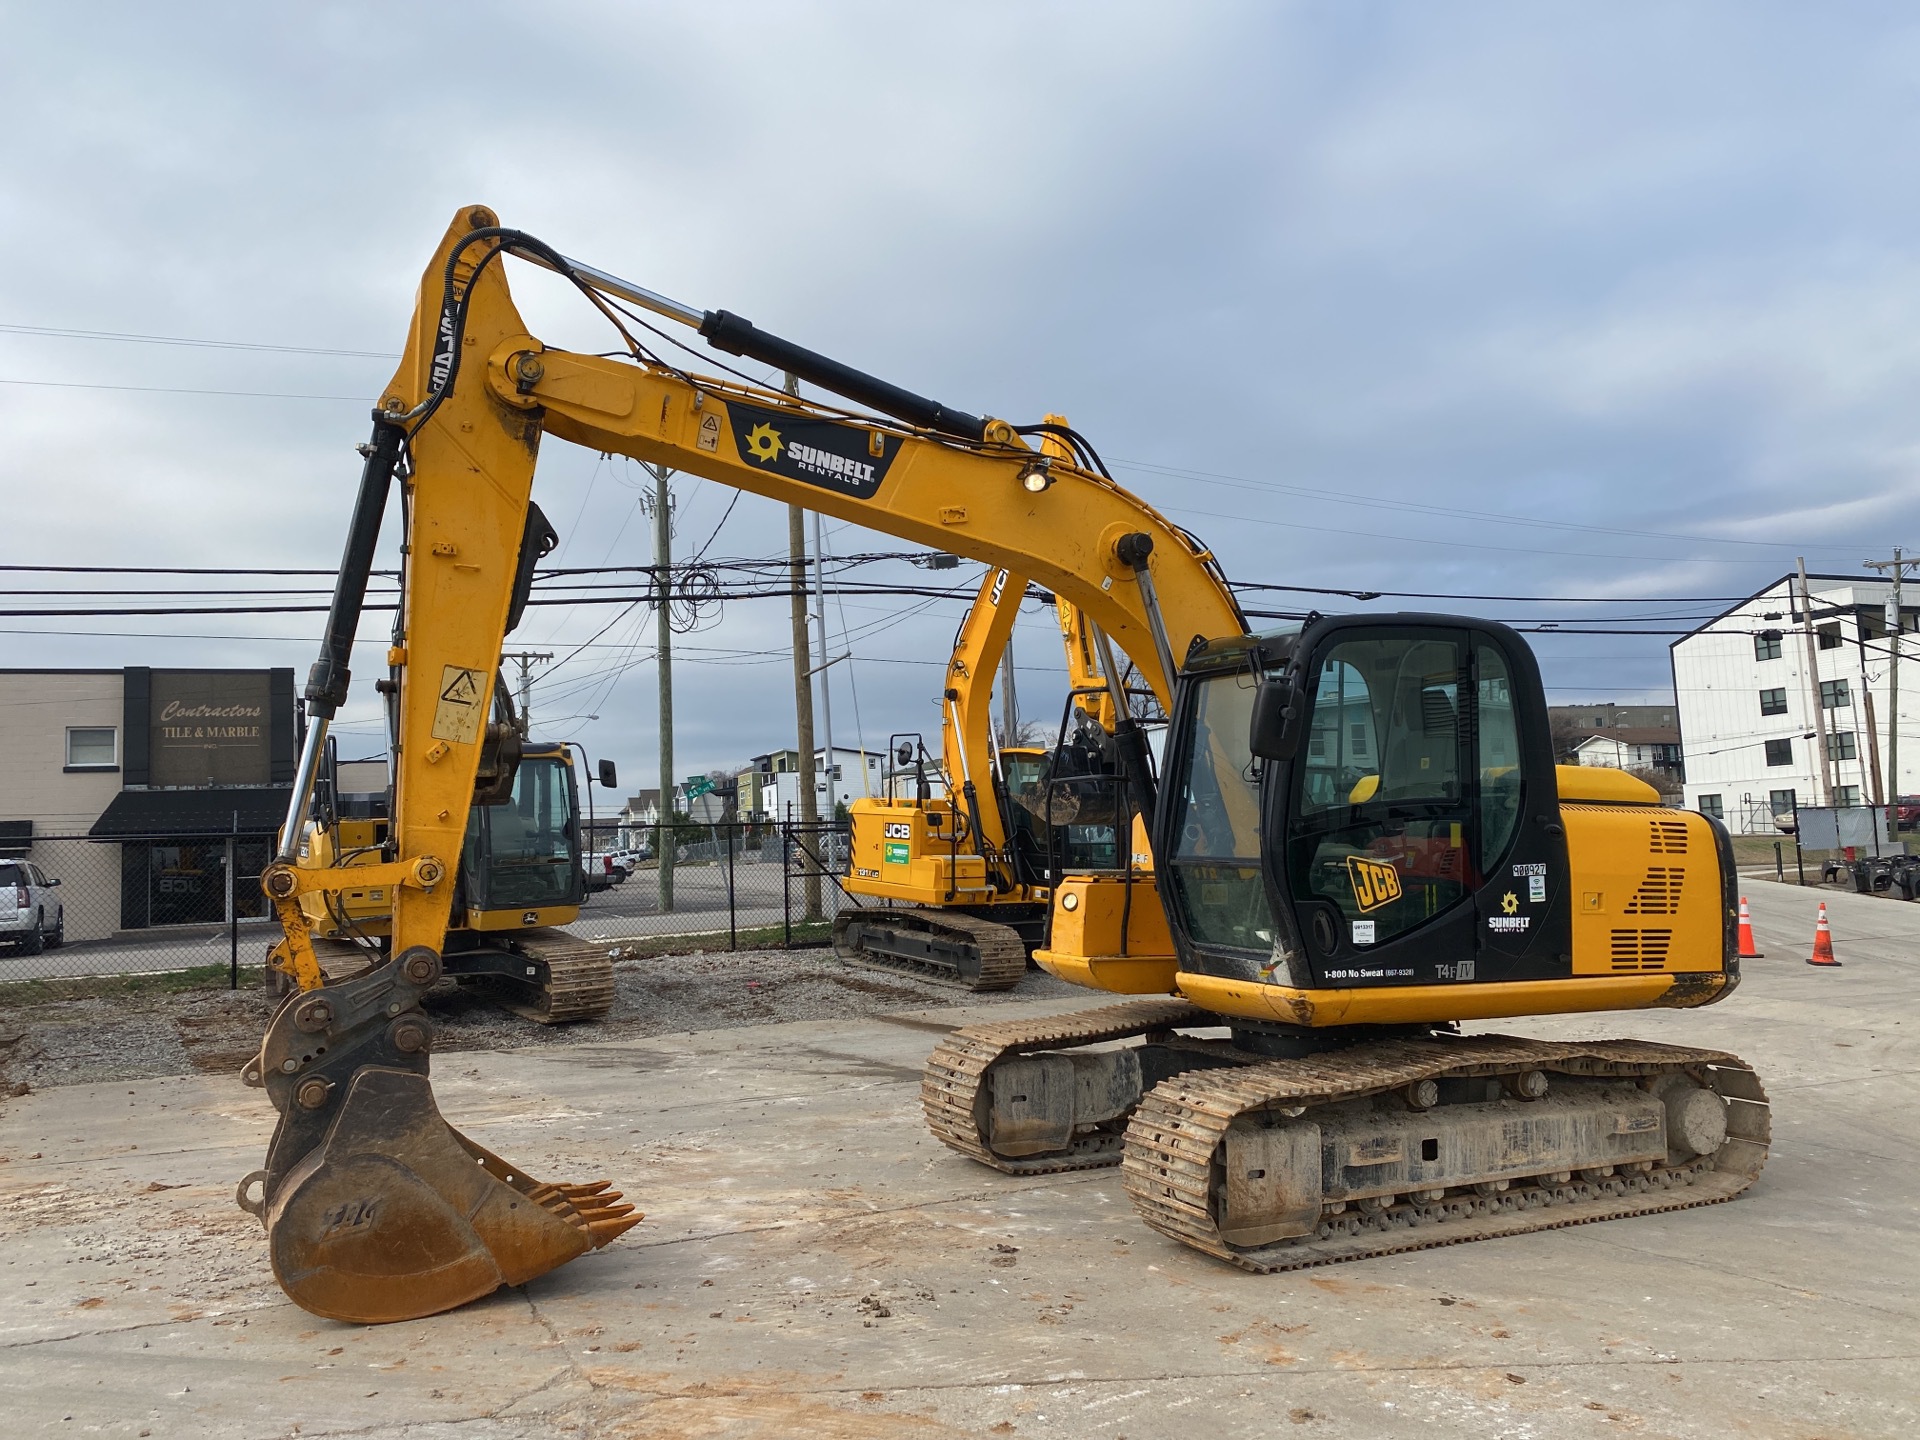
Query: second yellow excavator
958 881
1359 841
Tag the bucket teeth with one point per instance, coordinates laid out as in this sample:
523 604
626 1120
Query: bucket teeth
598 1209
612 1226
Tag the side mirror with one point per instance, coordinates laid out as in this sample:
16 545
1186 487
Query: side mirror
1279 719
609 776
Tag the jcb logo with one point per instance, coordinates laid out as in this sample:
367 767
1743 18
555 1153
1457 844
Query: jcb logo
897 830
1375 883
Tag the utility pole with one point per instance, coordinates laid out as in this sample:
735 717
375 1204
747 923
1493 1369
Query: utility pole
1823 768
826 665
1009 698
663 642
802 681
526 659
1898 569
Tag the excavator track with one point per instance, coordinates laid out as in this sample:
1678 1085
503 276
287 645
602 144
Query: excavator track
572 979
962 951
1179 1166
953 1083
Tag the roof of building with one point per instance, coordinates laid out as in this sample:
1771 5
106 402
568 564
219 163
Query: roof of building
1635 735
1794 615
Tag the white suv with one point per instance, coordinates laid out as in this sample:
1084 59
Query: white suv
31 916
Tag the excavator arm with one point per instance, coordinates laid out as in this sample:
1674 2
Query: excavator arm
967 750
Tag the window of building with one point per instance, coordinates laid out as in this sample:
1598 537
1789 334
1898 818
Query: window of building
1784 802
1846 794
1834 695
1829 635
1766 645
92 747
1710 805
1842 746
1773 702
1779 752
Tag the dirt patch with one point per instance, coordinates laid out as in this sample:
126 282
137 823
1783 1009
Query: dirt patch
82 1038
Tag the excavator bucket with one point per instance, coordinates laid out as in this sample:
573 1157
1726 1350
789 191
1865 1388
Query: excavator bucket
377 1209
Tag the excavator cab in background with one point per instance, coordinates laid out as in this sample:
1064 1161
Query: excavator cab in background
519 880
962 879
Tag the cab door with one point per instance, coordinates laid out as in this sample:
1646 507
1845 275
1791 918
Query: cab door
1419 837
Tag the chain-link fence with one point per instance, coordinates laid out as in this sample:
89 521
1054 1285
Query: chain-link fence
733 884
71 905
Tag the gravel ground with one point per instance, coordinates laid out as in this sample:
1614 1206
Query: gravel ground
74 1042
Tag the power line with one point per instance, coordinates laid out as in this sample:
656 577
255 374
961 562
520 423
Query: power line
1363 594
61 332
771 564
366 400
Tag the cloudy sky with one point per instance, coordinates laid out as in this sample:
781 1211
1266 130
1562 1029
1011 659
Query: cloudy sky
1526 300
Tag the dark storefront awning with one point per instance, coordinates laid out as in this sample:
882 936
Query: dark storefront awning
238 809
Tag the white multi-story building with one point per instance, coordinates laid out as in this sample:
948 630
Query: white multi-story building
770 789
1748 699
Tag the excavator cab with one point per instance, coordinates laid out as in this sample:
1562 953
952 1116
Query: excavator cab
521 863
1368 801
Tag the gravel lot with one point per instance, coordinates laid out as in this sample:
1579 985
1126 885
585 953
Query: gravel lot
77 1041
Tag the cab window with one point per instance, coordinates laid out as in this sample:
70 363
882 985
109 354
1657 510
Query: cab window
530 842
1214 869
1497 754
1380 825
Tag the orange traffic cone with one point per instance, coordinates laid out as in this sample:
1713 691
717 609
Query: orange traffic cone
1747 952
1822 941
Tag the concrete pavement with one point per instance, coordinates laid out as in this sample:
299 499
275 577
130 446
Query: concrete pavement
813 1263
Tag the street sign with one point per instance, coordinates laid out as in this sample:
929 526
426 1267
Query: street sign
699 786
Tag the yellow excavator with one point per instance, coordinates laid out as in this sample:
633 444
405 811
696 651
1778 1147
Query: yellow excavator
1359 841
958 883
960 877
519 880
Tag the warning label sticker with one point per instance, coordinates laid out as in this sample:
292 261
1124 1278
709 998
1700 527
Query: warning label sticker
462 705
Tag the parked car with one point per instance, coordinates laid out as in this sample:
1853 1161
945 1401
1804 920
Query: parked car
602 873
1907 811
31 915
